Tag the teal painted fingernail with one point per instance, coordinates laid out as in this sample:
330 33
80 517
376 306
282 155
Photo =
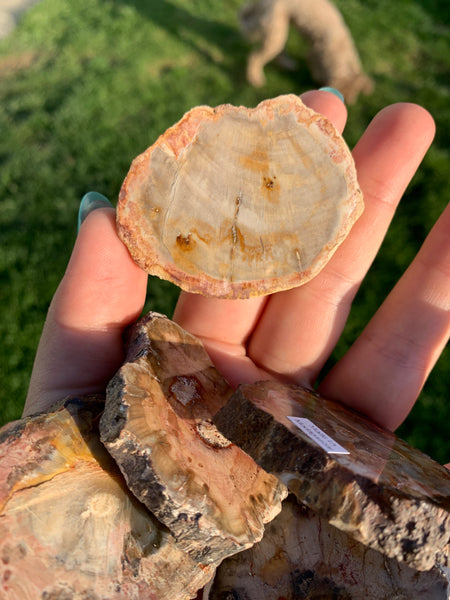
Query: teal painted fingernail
334 91
90 202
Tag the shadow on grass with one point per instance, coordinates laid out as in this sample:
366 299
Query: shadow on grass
189 27
193 30
438 9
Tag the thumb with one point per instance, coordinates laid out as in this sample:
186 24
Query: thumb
101 293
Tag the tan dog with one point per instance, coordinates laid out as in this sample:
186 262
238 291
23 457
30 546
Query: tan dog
333 58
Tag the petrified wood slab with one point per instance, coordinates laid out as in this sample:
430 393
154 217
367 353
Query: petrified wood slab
69 528
301 556
237 202
157 426
383 492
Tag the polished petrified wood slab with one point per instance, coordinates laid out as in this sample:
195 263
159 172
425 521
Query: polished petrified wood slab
303 557
237 202
157 426
362 479
69 528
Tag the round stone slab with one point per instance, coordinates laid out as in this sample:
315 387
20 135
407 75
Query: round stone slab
236 202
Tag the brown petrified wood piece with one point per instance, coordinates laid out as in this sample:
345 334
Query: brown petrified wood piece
69 528
157 426
238 202
383 492
303 557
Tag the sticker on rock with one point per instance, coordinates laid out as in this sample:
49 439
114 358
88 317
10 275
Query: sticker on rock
317 435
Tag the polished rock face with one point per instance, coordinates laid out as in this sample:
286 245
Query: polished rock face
381 491
212 467
303 557
237 202
157 425
70 528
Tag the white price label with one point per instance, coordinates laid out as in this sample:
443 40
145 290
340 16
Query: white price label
318 436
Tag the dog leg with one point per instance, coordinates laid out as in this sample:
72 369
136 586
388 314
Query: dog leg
273 45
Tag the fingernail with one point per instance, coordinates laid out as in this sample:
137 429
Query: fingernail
334 91
90 202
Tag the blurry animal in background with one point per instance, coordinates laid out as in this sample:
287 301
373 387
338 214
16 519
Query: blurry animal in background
332 59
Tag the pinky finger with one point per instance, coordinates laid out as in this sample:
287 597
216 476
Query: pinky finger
383 373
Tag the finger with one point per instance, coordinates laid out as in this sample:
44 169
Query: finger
224 325
383 372
101 293
300 327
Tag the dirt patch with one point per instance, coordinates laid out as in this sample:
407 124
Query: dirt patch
16 62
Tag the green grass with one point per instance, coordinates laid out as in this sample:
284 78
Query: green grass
87 85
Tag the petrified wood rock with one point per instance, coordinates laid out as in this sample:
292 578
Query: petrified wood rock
383 492
157 426
303 557
237 202
69 528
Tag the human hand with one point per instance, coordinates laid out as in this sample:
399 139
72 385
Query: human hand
288 335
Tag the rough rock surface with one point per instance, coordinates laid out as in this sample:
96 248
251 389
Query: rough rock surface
157 426
237 202
384 493
69 528
302 557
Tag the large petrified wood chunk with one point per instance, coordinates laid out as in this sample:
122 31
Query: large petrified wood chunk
69 528
157 426
302 557
237 202
382 492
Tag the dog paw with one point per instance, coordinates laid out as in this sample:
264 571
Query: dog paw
256 79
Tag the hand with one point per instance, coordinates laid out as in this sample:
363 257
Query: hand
288 335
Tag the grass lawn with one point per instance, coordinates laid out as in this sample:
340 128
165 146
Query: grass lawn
87 85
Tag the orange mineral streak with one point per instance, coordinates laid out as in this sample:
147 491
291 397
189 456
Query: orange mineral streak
204 204
68 523
64 449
